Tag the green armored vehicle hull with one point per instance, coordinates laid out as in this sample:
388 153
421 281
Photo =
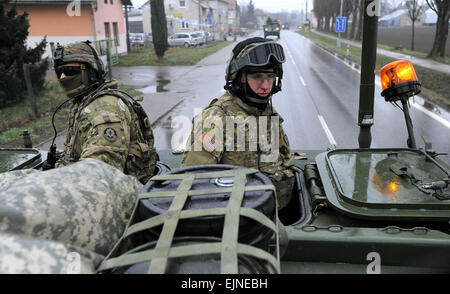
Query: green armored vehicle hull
356 211
353 211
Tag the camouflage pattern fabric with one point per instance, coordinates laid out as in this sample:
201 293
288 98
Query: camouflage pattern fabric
81 52
278 169
86 204
105 127
24 255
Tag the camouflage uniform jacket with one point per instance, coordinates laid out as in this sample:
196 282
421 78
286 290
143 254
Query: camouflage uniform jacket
105 126
210 147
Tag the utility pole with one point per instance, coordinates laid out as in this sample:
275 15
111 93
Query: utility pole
367 84
339 34
306 13
199 14
127 28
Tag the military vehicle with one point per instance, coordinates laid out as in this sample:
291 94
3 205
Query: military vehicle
359 210
272 29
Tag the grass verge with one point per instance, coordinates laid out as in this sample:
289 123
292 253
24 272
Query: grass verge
435 85
15 119
173 56
412 53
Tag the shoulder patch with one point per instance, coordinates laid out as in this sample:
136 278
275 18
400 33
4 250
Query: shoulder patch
110 135
208 142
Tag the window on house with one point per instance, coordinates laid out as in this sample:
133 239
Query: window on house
116 33
107 31
184 25
111 1
182 3
106 1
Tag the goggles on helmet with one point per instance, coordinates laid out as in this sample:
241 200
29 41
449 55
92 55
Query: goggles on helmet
67 70
259 56
58 55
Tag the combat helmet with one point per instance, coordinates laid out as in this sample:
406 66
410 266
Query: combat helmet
79 80
251 53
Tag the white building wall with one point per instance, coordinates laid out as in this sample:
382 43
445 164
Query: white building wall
189 13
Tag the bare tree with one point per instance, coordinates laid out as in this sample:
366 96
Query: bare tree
387 6
414 12
358 35
442 9
355 16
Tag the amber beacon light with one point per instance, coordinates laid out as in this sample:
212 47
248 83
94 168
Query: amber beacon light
399 80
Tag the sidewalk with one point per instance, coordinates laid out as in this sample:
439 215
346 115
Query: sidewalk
427 63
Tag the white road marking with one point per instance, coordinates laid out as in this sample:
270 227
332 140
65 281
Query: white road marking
346 64
415 105
303 81
430 114
419 107
327 130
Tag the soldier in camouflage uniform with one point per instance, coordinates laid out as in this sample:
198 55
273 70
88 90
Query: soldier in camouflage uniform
105 123
253 76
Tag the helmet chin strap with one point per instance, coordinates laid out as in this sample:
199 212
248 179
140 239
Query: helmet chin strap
251 98
85 86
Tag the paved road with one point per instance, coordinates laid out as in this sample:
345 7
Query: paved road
319 103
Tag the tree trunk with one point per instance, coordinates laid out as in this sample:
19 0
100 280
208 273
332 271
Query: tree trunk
354 20
444 33
440 37
327 23
358 36
159 27
412 37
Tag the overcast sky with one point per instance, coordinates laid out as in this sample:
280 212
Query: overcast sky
279 5
267 5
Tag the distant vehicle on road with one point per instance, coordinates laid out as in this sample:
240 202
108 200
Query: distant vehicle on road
184 39
272 29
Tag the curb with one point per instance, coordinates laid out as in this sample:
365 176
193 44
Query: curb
349 62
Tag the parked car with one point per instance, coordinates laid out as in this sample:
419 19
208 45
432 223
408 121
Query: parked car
240 31
137 39
210 37
202 35
148 38
184 39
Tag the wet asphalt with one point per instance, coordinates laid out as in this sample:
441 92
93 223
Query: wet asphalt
319 101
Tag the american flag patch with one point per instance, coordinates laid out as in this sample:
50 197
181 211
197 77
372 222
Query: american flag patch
208 142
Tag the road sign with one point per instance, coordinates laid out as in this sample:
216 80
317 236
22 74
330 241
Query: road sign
341 24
